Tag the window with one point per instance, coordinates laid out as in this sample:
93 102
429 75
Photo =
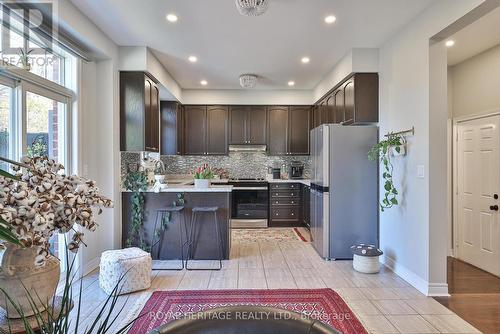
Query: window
45 127
6 126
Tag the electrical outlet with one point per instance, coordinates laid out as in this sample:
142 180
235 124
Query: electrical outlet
421 171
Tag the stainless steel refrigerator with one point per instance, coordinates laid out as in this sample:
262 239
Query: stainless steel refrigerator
344 189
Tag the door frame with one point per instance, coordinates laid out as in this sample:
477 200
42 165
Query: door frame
456 121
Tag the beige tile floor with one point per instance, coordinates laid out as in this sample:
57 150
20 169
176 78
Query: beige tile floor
384 303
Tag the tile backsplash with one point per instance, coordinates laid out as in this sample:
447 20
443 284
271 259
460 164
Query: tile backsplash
238 164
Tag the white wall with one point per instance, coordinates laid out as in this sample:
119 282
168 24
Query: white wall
98 112
240 96
356 60
475 84
405 231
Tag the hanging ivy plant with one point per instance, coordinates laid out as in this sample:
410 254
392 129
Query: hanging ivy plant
382 152
136 182
167 219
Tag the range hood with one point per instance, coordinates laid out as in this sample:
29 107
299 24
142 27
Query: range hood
247 148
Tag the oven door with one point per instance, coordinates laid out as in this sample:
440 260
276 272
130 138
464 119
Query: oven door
250 207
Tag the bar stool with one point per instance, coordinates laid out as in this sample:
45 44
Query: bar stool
160 215
191 235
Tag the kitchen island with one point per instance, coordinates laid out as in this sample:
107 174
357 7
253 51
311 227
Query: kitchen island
206 247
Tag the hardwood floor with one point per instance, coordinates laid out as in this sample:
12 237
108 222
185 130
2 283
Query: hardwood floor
384 303
475 295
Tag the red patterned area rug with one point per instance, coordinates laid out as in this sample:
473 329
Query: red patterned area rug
321 304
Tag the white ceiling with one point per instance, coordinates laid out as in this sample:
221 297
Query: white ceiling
476 38
271 46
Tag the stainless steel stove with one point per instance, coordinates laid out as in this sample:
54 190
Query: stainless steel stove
250 206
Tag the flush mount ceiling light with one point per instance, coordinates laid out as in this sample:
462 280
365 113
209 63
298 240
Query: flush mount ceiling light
291 83
330 19
248 80
305 60
193 59
252 7
450 43
203 82
172 18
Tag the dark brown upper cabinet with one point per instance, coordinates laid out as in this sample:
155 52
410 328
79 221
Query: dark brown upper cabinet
195 130
299 125
205 130
217 130
338 108
288 129
316 116
355 100
247 125
238 125
171 128
330 107
257 129
277 122
139 113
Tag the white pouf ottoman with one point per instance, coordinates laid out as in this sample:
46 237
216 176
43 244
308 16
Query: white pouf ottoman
133 264
366 258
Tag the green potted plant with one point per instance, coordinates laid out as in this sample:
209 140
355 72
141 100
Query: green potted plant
202 176
24 59
393 144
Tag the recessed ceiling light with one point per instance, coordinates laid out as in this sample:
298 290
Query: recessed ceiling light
204 82
291 83
193 59
450 43
305 60
172 17
330 19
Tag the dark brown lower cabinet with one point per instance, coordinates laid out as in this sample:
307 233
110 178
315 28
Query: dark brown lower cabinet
306 205
285 204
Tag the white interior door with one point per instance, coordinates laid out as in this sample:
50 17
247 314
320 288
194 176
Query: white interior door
478 190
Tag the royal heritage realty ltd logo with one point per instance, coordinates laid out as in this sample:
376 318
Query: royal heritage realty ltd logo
28 32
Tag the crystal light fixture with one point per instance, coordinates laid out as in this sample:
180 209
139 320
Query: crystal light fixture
248 80
252 7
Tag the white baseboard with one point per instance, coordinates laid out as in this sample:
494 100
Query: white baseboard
428 289
91 266
438 290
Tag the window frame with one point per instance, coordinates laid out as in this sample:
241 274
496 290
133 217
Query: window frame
41 91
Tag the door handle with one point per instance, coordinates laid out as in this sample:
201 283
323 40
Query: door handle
494 207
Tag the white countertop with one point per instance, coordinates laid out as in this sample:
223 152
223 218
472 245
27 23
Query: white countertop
306 182
186 186
190 189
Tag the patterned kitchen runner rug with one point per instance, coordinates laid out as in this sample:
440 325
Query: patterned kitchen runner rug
266 234
163 307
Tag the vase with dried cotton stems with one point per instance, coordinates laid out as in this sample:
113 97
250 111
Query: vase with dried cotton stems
36 202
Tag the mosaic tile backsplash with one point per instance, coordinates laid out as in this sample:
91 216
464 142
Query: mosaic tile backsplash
238 164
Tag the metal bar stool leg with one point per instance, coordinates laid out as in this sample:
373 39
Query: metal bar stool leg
191 238
217 235
219 240
160 240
